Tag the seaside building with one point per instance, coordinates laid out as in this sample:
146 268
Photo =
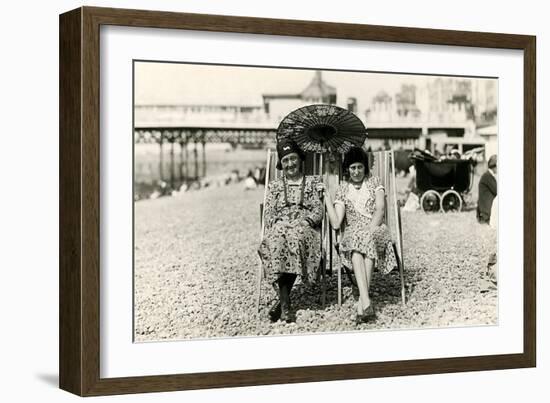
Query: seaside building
277 106
441 114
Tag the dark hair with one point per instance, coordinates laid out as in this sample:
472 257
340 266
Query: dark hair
356 154
492 161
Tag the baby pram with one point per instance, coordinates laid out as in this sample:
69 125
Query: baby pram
442 183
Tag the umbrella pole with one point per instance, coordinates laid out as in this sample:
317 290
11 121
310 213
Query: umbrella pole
399 238
323 230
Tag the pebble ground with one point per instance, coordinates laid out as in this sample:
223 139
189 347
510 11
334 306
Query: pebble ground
196 263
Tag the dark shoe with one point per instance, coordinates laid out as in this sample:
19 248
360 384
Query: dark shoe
285 307
367 316
284 296
286 316
275 312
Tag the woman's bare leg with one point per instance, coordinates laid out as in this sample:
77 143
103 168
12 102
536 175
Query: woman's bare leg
369 267
369 309
360 271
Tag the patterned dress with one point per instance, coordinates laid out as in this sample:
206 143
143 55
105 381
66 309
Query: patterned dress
360 205
290 246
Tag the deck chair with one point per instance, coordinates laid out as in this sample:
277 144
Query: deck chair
383 166
331 171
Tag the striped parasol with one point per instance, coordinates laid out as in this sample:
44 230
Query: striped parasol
323 128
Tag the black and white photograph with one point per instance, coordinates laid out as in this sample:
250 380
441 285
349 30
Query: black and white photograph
276 201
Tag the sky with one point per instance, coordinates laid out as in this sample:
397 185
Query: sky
179 83
176 83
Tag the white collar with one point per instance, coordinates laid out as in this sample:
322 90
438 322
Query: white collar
359 197
352 185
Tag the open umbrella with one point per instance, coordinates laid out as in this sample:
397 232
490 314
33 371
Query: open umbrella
323 128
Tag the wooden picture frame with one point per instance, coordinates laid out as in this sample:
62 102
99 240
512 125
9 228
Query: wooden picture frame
79 277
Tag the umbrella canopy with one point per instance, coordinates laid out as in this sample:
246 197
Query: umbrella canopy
323 128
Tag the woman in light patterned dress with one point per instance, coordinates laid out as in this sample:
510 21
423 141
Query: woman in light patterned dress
359 204
293 212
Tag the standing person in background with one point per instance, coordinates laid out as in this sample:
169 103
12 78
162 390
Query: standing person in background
487 191
492 272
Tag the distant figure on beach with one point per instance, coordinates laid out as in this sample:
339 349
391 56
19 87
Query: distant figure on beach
293 213
454 154
250 182
234 177
259 175
412 202
487 191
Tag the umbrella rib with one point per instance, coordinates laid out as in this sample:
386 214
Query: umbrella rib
356 139
332 118
316 119
307 118
352 139
351 120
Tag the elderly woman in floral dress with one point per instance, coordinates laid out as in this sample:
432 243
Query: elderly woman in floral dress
359 203
293 213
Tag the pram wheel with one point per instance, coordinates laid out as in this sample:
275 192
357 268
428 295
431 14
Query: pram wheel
451 201
430 202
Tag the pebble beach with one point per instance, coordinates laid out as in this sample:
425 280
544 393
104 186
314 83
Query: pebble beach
195 273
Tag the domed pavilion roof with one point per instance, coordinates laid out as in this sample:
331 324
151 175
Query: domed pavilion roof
318 89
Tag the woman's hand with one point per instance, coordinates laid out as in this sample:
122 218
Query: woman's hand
320 187
305 223
372 228
294 223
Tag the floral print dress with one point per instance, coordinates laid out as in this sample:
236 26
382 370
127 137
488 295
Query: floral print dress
360 206
290 246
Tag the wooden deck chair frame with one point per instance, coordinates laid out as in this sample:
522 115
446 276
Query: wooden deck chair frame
260 271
